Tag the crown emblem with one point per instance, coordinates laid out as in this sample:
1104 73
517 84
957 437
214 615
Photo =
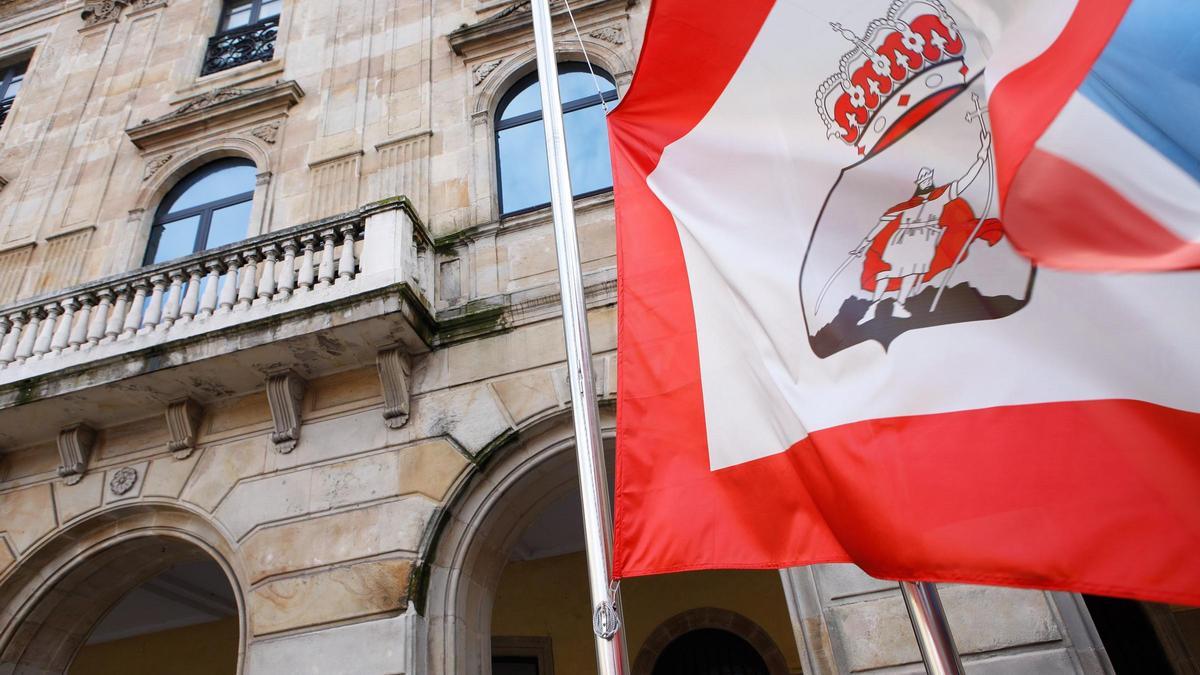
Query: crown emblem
902 66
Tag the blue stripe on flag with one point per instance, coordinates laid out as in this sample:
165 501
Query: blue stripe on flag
1148 78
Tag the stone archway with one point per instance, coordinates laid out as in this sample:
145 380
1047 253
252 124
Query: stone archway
487 518
64 588
709 618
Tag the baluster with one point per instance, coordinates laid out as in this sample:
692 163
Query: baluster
287 274
116 320
229 289
29 334
249 277
83 319
346 262
100 317
45 335
208 303
137 307
306 263
191 297
266 281
325 271
154 310
174 295
8 348
62 328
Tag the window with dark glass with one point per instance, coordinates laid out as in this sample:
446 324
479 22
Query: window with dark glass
10 83
207 209
523 178
515 665
245 34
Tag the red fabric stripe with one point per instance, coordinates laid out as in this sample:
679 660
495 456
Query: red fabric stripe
1062 215
1024 103
1028 496
692 49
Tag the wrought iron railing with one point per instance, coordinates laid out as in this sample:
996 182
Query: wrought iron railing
241 45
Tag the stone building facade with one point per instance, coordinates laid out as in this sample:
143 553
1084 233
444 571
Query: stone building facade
340 441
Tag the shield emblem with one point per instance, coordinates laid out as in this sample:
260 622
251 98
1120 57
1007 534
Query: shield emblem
908 237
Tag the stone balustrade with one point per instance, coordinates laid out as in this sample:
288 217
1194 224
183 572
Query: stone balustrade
378 245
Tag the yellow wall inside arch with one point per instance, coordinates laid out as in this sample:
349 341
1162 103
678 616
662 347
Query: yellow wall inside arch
549 598
203 649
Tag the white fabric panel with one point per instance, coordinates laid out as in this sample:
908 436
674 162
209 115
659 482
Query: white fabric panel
1090 138
746 187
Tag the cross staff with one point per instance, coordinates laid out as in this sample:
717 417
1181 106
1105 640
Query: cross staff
978 114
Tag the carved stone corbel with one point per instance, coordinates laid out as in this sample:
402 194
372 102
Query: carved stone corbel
96 12
393 376
183 421
74 449
285 391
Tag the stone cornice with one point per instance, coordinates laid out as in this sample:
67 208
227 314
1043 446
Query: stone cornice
220 107
11 8
516 20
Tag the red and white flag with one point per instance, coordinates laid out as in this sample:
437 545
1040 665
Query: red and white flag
899 284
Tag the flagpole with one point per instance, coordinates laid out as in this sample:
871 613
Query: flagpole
589 451
932 629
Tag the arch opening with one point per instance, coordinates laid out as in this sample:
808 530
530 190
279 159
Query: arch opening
509 588
184 620
150 598
710 651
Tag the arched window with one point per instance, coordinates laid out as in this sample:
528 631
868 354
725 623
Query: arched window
710 651
207 209
523 178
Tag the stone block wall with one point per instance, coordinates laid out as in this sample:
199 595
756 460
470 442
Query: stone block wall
334 532
386 106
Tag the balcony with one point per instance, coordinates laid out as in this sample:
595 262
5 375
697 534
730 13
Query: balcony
316 297
241 45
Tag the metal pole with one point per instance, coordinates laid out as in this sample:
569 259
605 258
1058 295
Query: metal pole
593 480
932 629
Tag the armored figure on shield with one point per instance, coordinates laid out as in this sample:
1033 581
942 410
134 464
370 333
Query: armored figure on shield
917 239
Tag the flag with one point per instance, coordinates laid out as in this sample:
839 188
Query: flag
835 345
1097 152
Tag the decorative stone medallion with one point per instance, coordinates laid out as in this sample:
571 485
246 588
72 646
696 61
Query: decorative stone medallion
123 480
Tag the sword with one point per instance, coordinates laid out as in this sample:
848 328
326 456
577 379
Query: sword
829 283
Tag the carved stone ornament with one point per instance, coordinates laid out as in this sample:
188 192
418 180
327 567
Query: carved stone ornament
285 391
155 164
101 11
482 70
268 133
123 480
135 5
393 376
74 450
224 108
211 98
183 421
611 34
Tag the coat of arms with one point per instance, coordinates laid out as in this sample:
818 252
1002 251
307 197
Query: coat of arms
907 237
